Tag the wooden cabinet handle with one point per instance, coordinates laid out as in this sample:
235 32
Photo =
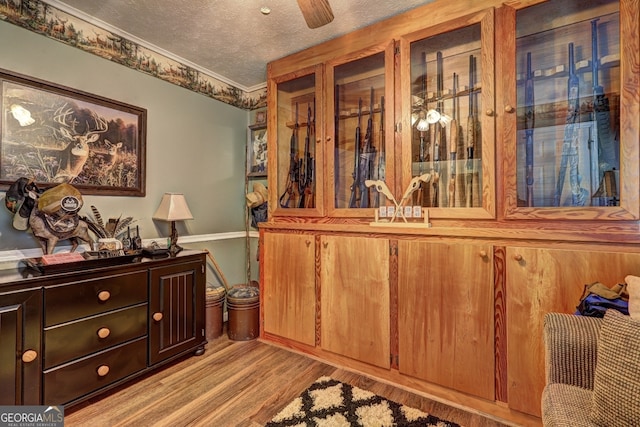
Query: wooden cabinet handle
308 243
508 108
483 253
328 139
318 140
29 356
103 370
104 332
489 112
104 295
157 316
517 257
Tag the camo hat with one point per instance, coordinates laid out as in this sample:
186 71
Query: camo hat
62 196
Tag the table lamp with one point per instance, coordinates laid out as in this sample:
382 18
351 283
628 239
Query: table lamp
173 207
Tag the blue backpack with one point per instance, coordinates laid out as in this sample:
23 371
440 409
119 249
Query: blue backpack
597 299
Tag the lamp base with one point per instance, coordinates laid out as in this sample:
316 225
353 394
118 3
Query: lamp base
174 248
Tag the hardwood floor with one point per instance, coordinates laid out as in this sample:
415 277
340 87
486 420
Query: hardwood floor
234 384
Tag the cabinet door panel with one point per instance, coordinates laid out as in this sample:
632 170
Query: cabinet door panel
541 281
447 83
176 310
571 125
295 153
20 323
289 291
445 315
360 100
355 313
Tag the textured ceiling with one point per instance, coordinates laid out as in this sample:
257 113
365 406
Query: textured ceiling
230 39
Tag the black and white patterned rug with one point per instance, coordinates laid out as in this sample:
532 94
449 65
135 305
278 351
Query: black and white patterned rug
331 403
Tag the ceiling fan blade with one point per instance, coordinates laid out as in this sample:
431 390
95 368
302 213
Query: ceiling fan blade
316 12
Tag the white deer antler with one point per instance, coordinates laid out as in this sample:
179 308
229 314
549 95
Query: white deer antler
60 117
101 125
75 155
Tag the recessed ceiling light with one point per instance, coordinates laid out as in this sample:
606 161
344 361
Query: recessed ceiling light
265 10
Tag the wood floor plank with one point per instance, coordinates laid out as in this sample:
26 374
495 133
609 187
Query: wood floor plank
235 384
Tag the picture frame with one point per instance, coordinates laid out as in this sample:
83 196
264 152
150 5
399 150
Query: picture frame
257 151
55 134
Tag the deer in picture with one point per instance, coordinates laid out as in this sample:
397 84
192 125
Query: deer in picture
59 26
76 153
113 154
100 43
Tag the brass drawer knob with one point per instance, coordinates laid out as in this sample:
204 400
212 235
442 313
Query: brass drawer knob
483 253
157 316
29 356
103 370
104 295
509 108
517 257
104 332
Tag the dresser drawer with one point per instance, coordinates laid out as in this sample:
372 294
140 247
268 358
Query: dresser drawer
75 300
67 341
73 380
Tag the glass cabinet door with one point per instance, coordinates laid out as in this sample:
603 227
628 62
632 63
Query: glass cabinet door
296 151
448 149
359 99
572 158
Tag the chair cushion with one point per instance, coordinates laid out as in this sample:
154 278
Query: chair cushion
571 348
565 405
616 401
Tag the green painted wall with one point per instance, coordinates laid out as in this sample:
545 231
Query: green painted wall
195 145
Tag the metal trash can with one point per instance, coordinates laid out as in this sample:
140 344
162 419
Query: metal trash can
243 308
214 311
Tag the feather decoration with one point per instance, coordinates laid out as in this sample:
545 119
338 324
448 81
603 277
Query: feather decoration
97 216
112 229
122 225
95 228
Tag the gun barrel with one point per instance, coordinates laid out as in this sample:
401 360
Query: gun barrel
529 125
595 64
353 199
289 194
569 150
471 135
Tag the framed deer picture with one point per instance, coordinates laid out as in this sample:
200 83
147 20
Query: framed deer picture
54 134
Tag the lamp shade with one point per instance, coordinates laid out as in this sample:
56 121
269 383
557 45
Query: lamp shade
173 207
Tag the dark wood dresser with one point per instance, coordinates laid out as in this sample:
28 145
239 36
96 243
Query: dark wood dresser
70 336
